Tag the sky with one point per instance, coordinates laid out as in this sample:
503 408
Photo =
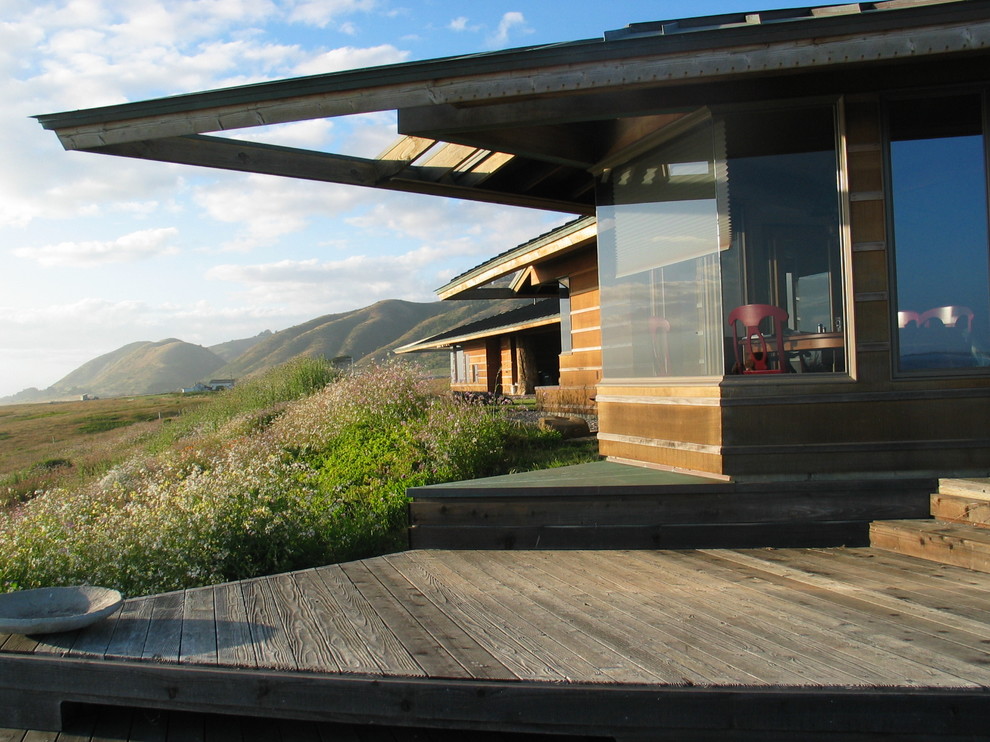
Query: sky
97 252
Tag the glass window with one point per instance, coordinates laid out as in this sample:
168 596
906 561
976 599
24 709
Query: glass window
742 210
939 200
658 262
783 208
566 344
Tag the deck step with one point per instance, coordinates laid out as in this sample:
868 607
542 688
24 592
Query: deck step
948 543
574 514
976 489
962 509
811 534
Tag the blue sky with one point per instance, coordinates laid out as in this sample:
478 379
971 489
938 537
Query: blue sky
97 252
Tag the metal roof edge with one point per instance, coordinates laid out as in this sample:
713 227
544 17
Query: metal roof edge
543 55
488 326
542 240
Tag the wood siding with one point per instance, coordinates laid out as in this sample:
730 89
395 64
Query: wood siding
476 358
581 368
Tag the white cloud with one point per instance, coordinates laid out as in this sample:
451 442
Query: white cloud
350 57
268 208
312 134
464 227
452 237
511 22
315 286
43 344
321 13
140 245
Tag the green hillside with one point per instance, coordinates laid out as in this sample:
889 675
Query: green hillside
234 348
141 368
363 334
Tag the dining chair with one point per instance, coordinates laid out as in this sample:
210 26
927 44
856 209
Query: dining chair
758 347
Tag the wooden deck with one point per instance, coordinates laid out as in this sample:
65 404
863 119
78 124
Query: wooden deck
710 644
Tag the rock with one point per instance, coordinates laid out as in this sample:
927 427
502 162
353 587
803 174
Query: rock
568 427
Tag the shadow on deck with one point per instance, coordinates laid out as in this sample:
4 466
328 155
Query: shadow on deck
609 505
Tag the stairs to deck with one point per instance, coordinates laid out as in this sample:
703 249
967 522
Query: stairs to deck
580 512
957 533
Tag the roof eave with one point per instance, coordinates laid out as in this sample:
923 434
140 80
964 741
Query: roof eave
459 80
430 344
569 236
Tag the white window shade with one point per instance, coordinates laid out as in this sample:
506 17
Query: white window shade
653 235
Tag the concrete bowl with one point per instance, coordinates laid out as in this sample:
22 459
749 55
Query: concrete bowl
48 610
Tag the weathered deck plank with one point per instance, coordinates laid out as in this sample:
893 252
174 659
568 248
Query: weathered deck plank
624 646
867 617
434 659
303 624
365 642
934 594
476 660
535 640
165 630
198 644
538 632
546 616
271 642
813 633
738 661
855 629
499 641
131 631
234 645
703 610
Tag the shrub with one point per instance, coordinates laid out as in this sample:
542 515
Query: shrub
264 393
263 486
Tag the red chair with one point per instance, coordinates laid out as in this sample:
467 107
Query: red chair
756 347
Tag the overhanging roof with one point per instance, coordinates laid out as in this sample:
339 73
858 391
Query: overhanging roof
528 317
577 233
531 122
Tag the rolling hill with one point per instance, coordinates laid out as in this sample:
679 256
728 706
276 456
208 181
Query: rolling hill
141 368
365 335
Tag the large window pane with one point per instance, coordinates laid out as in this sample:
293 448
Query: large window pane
658 245
783 205
939 196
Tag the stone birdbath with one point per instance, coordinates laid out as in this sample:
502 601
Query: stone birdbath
48 610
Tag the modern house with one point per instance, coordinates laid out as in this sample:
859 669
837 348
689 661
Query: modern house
779 272
790 212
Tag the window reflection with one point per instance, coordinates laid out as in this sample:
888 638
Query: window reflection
939 194
741 211
658 239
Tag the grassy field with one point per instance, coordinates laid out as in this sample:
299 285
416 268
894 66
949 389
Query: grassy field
44 443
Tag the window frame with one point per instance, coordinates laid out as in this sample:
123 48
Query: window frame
703 113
